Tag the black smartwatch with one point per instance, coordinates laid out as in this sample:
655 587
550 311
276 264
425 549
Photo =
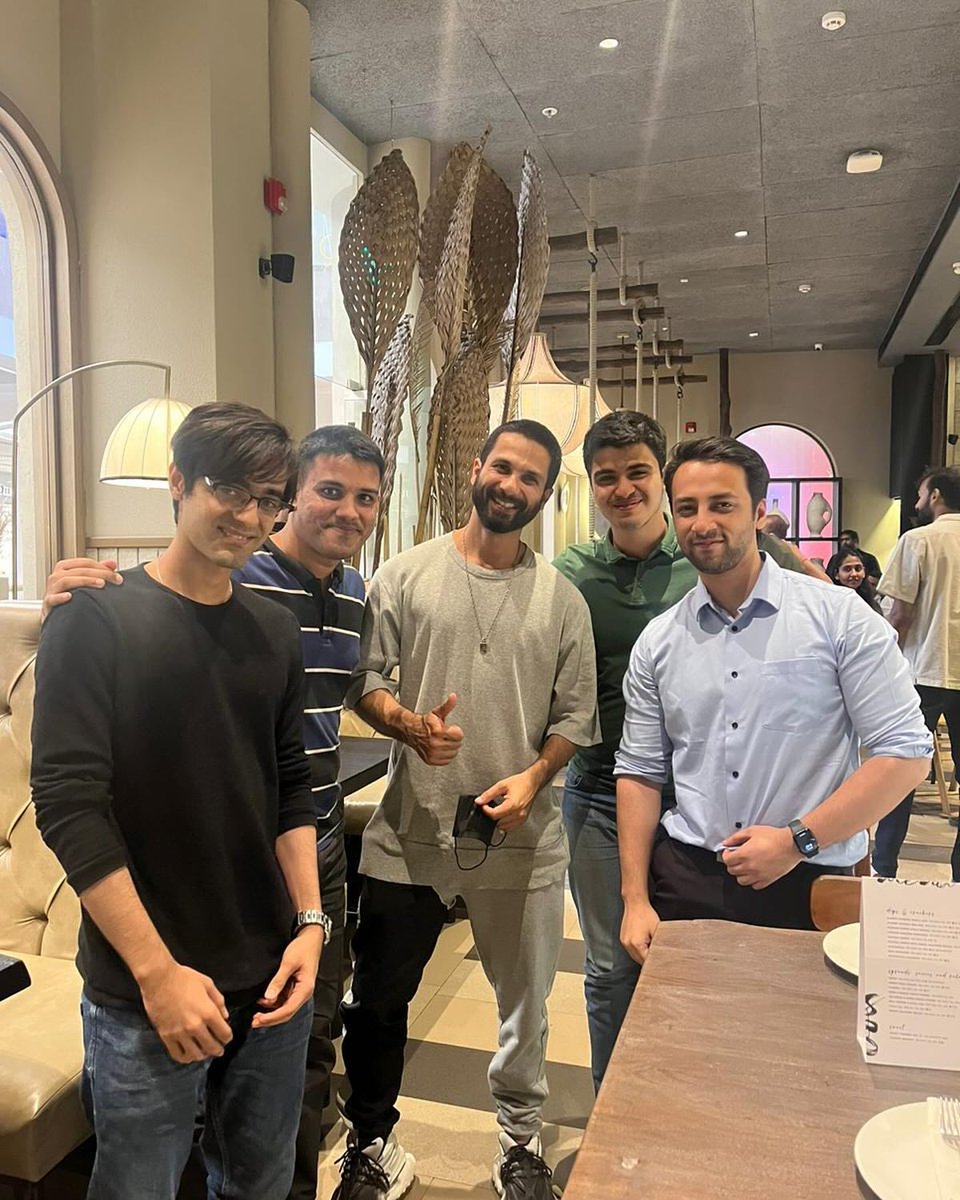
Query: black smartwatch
804 840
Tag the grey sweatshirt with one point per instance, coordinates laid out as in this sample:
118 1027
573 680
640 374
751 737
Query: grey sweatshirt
537 678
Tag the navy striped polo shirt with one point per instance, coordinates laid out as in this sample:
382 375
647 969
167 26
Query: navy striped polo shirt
329 613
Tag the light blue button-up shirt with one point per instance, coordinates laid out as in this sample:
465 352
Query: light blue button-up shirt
761 714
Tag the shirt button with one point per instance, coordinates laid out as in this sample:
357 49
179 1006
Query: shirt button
734 628
739 824
733 674
735 725
736 774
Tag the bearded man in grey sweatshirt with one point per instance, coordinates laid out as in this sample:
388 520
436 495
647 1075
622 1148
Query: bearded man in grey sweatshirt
483 628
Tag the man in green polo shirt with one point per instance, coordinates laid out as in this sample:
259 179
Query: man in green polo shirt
635 573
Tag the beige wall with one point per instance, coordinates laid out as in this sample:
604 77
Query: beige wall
30 64
162 126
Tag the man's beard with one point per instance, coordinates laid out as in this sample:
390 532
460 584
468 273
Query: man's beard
731 556
924 515
499 522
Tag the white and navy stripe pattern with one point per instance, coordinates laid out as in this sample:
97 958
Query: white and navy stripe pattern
329 614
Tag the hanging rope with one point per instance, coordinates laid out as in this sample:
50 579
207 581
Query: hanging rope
592 334
678 381
638 321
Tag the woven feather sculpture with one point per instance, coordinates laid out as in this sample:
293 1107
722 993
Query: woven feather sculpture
377 254
531 277
386 417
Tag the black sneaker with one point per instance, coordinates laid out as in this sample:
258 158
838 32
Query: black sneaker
380 1171
519 1173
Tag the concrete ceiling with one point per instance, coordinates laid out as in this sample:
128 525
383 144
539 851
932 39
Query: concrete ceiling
711 116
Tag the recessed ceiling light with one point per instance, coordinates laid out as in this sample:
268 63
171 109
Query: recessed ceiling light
684 280
665 328
742 233
804 288
863 162
549 111
956 269
754 334
609 43
832 21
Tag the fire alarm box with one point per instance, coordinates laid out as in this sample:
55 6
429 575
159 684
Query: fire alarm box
690 427
275 196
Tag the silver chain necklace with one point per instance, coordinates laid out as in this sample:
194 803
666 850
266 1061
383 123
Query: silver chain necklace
485 637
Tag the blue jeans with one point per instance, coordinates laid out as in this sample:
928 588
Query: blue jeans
611 974
143 1107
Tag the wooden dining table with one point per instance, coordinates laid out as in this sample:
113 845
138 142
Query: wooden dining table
737 1075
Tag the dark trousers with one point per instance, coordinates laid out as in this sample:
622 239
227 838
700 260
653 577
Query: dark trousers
397 933
934 703
688 883
321 1052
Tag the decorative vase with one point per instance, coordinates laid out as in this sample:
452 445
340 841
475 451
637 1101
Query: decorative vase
819 513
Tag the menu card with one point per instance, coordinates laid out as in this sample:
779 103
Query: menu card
909 1000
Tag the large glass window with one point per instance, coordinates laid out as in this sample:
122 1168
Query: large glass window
337 367
8 403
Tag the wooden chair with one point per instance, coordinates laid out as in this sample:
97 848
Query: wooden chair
834 900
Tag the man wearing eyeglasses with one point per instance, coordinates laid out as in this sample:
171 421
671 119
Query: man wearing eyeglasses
170 780
302 568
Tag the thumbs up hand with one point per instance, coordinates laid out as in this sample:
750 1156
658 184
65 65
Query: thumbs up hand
434 740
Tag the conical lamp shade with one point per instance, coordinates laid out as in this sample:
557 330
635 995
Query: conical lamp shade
137 453
548 396
573 462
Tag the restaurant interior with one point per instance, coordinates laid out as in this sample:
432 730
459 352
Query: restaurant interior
744 219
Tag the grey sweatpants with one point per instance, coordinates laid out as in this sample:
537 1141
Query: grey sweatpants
518 936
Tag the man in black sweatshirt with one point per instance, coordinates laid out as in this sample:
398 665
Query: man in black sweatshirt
170 780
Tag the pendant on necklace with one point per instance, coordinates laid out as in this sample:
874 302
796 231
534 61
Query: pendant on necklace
484 647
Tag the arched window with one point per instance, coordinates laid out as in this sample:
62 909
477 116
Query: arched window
35 346
804 486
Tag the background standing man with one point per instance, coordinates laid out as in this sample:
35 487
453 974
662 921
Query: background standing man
632 575
301 567
170 780
923 579
758 688
478 624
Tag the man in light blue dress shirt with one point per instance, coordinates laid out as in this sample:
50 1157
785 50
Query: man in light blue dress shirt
758 688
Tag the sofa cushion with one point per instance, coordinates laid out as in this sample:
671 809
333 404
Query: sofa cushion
41 1059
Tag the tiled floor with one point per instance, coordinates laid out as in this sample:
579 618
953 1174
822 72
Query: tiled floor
447 1119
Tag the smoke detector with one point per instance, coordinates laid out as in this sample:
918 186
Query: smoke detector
804 288
832 21
863 162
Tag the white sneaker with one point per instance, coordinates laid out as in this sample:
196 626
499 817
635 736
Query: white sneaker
519 1172
381 1171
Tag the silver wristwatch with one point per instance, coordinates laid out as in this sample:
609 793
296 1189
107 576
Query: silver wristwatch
313 916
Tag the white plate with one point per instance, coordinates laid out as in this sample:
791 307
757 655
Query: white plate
900 1156
842 947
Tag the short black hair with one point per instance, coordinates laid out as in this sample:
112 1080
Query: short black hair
722 450
852 532
625 428
535 432
340 441
947 482
233 443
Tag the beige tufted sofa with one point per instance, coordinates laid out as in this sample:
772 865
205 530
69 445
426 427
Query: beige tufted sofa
41 1051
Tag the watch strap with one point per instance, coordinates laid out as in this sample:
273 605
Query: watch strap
804 839
313 916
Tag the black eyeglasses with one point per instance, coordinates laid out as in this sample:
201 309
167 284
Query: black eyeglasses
238 498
